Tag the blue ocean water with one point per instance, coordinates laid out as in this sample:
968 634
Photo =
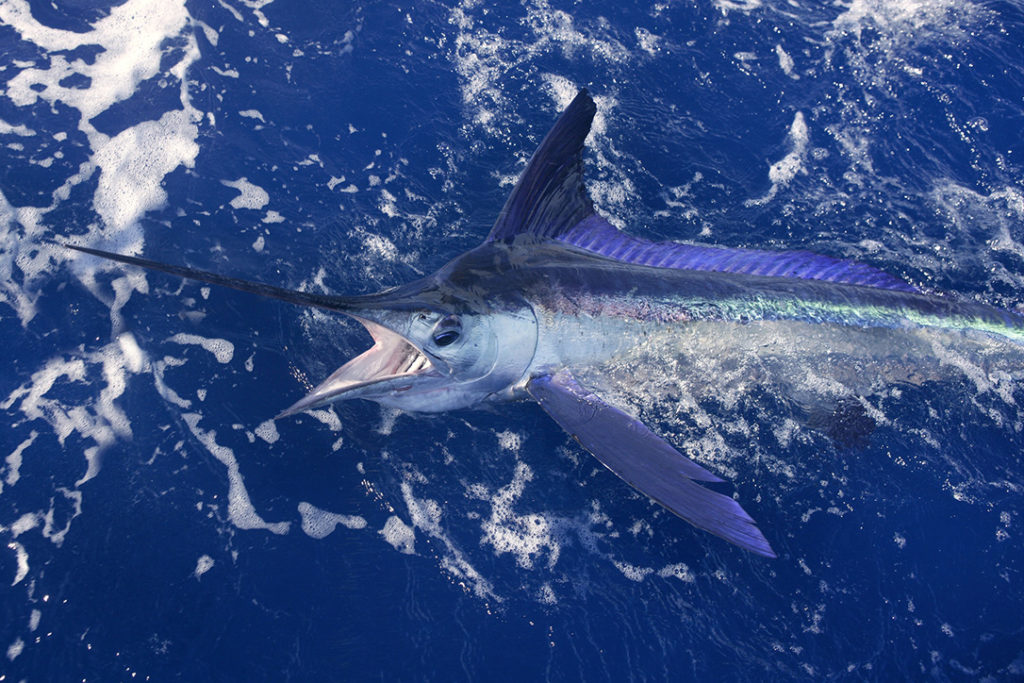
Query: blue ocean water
157 524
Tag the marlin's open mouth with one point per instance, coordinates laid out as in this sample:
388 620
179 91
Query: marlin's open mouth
385 367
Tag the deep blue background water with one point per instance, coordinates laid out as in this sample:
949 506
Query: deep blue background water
384 140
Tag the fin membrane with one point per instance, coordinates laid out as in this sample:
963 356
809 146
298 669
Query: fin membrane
550 201
596 235
549 197
645 461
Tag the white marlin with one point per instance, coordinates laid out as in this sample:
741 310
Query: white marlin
557 301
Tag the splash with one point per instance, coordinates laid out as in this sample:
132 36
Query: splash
783 171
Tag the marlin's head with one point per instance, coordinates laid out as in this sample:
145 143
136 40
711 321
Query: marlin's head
434 349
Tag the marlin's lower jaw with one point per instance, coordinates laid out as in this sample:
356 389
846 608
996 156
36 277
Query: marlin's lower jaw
392 365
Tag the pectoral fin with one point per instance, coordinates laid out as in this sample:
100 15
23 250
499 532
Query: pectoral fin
645 461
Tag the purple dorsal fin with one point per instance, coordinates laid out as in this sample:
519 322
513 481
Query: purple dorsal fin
550 202
596 235
549 197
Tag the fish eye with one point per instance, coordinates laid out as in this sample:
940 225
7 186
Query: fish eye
445 338
447 330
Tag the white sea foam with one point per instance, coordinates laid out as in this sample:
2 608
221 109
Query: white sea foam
509 440
903 15
24 523
400 535
240 508
99 419
54 524
546 595
327 417
480 60
134 358
257 6
785 62
250 196
557 27
17 264
726 6
677 571
335 181
21 130
632 572
528 537
168 394
318 523
267 431
483 58
875 45
388 417
782 172
15 649
882 63
380 247
648 42
13 470
977 223
70 508
21 560
131 35
132 163
203 564
222 349
425 515
234 12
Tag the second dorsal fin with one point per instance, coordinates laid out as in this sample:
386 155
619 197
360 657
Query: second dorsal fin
598 236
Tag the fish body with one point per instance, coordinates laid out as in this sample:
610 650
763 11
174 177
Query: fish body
560 307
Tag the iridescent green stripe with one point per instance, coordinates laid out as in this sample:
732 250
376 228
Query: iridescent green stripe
842 313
